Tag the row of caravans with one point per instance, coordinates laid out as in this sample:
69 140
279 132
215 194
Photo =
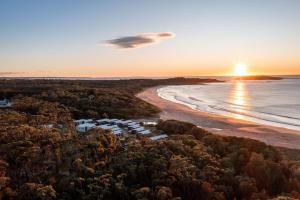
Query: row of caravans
116 125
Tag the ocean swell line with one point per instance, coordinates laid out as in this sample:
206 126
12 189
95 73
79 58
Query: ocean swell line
246 114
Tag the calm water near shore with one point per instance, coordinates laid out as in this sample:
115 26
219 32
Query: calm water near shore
275 103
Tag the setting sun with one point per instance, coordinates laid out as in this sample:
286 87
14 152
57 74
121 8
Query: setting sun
240 69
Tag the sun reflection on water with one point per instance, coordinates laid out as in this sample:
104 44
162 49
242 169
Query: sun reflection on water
239 96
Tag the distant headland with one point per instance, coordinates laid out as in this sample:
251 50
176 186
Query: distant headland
259 77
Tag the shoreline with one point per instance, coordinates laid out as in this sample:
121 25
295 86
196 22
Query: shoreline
222 125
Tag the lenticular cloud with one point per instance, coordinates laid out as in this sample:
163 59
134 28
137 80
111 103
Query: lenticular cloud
141 40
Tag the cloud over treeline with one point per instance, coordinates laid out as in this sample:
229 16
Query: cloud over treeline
137 41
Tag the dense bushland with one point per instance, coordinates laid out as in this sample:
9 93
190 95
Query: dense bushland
98 98
42 156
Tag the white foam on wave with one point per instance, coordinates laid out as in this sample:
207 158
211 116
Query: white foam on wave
184 95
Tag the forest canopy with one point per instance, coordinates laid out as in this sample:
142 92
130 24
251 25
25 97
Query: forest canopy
38 161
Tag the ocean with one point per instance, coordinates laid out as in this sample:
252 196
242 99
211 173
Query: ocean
275 103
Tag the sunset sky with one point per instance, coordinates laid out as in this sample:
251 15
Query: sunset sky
98 38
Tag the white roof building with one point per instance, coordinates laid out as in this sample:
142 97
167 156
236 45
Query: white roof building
145 132
47 125
158 137
108 126
150 123
83 121
139 129
134 126
105 120
123 122
115 128
5 103
85 127
132 123
127 122
117 132
113 121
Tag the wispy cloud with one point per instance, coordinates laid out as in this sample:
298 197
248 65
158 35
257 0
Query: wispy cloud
137 41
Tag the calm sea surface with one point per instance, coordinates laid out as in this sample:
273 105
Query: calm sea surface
275 103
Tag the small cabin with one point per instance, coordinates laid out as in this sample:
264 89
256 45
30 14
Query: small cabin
113 121
150 123
83 121
139 129
126 122
5 103
47 126
159 137
103 121
105 126
131 127
131 123
145 132
85 127
120 122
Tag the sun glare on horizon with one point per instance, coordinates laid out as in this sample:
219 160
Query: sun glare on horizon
240 69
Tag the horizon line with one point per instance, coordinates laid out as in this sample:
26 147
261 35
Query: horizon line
129 77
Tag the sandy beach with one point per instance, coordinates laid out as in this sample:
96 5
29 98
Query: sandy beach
222 125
